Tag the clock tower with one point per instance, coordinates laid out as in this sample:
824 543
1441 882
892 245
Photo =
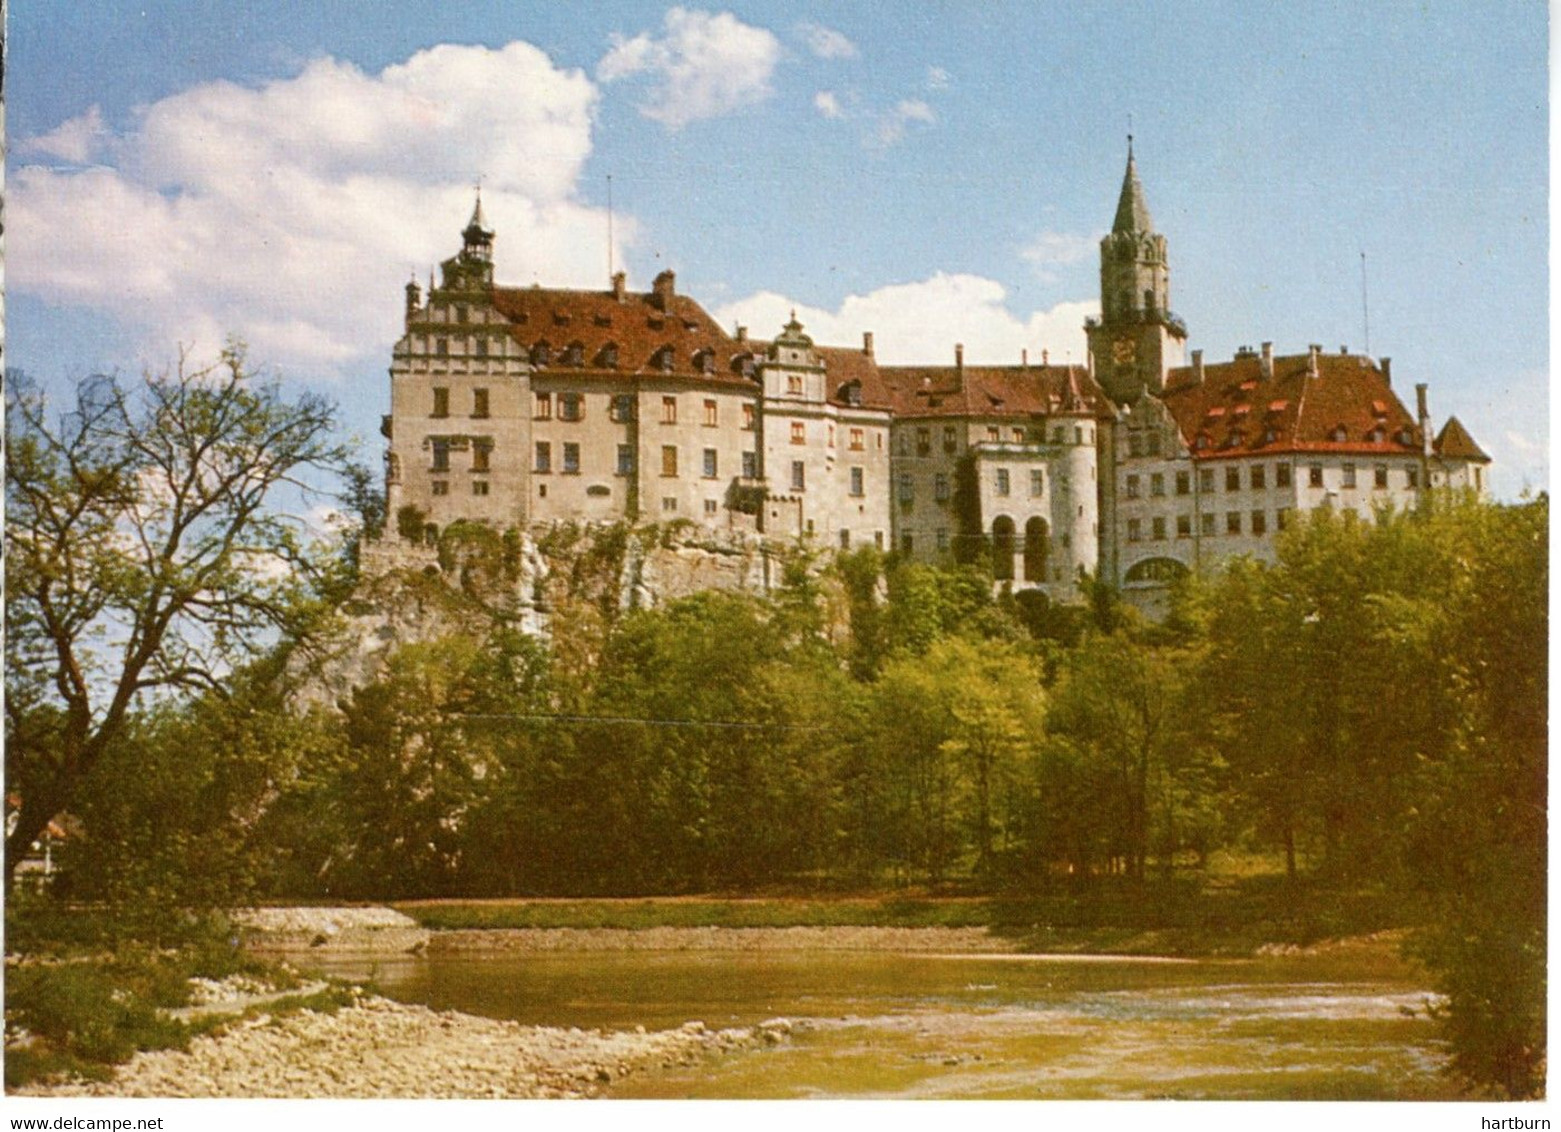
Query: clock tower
1136 339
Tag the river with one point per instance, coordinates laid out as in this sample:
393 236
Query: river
889 1025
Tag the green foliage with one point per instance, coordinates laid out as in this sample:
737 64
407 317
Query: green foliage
410 522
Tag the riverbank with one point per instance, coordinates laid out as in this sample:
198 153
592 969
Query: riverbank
380 1048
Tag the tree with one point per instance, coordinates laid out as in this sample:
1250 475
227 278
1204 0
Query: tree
143 557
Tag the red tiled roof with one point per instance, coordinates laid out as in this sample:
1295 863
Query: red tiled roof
641 330
993 391
1455 443
1303 413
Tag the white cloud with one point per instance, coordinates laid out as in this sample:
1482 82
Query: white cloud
827 43
828 105
937 78
704 66
1057 249
76 140
920 322
290 214
892 126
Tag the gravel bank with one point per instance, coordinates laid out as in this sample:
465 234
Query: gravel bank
946 940
381 1048
367 929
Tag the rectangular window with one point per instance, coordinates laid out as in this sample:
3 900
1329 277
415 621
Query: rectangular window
748 417
1135 530
1206 479
544 456
571 459
1233 522
571 406
479 403
857 440
669 503
907 488
943 538
441 487
1184 526
711 506
479 487
1135 444
1159 527
669 410
940 487
1282 518
669 460
1037 481
950 439
878 539
442 347
799 433
1258 478
1259 522
622 408
845 539
750 465
1002 481
543 407
1183 483
441 403
923 441
482 452
858 482
1349 475
799 473
482 347
1154 443
992 433
1281 475
441 455
831 440
1412 477
710 463
1232 479
794 384
1314 475
1018 435
625 460
1381 474
1131 491
712 413
907 543
1206 524
1157 484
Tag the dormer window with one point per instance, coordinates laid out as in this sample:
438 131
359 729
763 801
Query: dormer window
574 354
704 361
608 356
1339 434
1377 435
541 354
665 359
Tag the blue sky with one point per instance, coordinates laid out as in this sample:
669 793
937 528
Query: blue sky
935 173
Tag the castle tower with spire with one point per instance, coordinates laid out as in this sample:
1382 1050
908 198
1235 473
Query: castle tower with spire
1137 338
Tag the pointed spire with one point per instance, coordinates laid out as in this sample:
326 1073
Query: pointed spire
1132 210
478 223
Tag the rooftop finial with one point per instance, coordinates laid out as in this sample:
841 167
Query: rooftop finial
1132 210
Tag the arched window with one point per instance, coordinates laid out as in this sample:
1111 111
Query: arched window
1036 537
1003 548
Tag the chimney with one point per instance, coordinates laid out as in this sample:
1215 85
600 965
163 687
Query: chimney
1024 357
1197 367
1387 371
619 285
1046 357
1314 354
663 289
1423 414
867 343
959 361
742 333
1267 364
414 298
1343 349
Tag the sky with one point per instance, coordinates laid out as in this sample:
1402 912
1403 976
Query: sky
934 173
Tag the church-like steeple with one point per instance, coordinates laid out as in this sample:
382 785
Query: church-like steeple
1132 211
1136 337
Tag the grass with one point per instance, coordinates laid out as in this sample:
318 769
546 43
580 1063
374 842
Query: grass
1183 916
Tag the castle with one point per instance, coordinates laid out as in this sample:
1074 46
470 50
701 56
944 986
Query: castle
524 406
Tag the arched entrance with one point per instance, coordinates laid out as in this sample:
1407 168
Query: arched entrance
1036 537
1003 548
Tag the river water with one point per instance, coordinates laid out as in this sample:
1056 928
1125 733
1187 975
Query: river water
886 1025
